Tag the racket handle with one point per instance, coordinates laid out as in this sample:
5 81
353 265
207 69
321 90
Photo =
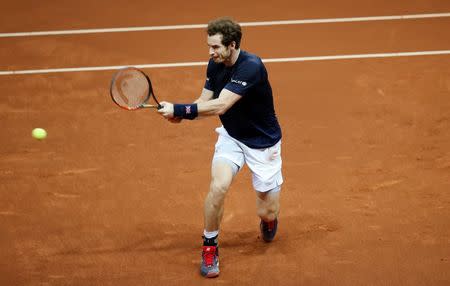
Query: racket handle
149 106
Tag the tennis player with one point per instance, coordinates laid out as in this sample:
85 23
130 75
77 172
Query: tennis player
237 89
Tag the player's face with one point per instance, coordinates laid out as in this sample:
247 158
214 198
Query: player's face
217 51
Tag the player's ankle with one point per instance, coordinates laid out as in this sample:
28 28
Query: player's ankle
210 241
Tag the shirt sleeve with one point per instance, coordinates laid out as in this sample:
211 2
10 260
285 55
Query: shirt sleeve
245 78
209 77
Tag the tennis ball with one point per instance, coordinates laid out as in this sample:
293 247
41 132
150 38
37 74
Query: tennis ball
39 133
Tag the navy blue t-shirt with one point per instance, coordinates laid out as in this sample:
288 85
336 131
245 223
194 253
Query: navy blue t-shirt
252 119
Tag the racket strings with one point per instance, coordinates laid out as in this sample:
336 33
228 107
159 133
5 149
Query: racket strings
130 88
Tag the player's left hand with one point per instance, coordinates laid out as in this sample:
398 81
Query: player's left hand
166 110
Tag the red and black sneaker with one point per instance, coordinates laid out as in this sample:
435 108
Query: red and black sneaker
268 229
210 261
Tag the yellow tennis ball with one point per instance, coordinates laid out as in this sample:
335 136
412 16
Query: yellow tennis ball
39 133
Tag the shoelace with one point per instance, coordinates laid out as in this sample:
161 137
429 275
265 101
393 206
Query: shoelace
209 254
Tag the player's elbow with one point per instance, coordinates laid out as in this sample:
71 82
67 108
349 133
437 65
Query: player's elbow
225 101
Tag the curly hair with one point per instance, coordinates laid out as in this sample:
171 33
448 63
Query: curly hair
228 28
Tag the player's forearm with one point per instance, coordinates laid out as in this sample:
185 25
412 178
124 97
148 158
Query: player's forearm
205 96
217 106
212 107
198 100
207 108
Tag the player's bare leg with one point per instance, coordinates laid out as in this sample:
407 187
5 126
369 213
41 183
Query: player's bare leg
268 207
221 177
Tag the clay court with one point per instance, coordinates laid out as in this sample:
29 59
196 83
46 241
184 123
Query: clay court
113 197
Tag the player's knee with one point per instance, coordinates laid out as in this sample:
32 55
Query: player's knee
218 187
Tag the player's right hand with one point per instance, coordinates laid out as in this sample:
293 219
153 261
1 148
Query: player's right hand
166 110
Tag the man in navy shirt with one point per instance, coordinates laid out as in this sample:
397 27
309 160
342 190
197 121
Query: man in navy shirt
238 90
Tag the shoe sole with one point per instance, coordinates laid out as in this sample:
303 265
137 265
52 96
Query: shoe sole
212 275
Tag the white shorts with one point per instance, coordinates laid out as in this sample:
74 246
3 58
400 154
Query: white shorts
265 164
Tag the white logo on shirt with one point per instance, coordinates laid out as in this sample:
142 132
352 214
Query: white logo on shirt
243 83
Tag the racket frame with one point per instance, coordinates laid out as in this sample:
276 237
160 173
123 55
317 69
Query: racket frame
150 94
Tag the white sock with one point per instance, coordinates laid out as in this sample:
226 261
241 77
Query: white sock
210 234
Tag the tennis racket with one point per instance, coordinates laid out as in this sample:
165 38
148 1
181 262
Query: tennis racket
132 89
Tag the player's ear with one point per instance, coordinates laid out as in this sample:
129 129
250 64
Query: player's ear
233 45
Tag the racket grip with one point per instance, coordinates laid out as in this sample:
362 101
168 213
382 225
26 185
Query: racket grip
150 106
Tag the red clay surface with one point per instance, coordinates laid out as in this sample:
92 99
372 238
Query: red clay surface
115 198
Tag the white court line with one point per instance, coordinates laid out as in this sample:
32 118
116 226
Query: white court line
273 60
244 24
